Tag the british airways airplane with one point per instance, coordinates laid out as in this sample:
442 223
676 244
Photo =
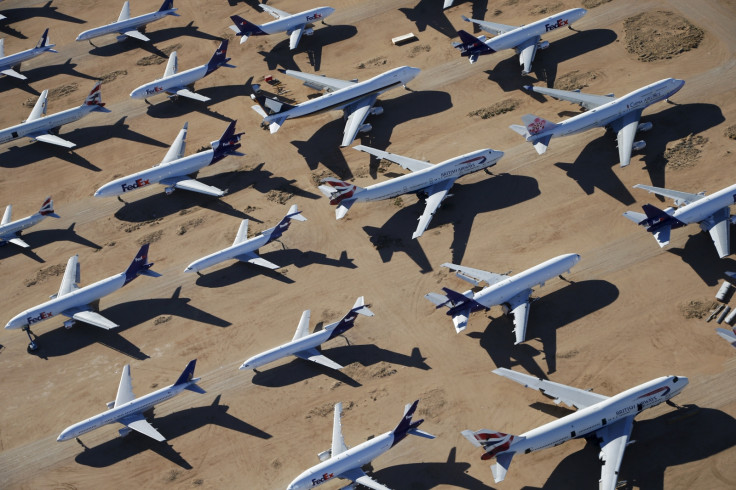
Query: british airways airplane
295 25
8 62
10 230
78 304
607 419
127 26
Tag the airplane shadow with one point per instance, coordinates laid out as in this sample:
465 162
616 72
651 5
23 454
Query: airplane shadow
160 205
171 426
189 30
157 36
429 13
700 254
296 371
44 237
241 271
659 442
42 73
261 180
167 108
548 314
430 475
281 56
499 192
26 154
25 13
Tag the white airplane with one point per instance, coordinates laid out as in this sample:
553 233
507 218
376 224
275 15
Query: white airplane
10 230
244 248
729 335
342 462
127 26
295 25
355 98
711 212
175 170
524 39
175 84
513 292
304 345
8 62
431 181
129 410
38 126
78 304
621 115
608 419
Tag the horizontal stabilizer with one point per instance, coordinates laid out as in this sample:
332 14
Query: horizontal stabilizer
276 124
196 388
343 207
541 144
437 299
460 319
638 218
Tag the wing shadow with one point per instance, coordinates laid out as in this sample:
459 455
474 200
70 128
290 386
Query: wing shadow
429 13
60 341
31 152
44 237
181 106
281 56
259 179
25 13
160 205
48 71
296 371
700 254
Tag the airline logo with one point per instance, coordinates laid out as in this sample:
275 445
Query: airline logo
663 390
320 481
314 17
343 190
559 23
493 442
135 185
537 126
734 198
44 315
154 90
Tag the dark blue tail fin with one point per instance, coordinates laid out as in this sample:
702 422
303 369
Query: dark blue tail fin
167 5
228 143
188 373
347 322
44 41
657 218
278 230
459 301
406 426
472 46
140 265
219 58
246 28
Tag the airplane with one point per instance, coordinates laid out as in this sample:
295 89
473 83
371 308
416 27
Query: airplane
8 62
304 345
524 39
244 248
621 115
78 304
513 292
609 420
10 230
175 84
128 410
39 126
342 462
175 170
127 26
433 182
729 335
711 212
355 98
295 25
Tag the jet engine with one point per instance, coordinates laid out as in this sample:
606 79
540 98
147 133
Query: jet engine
543 45
733 220
639 145
124 431
376 111
365 128
308 32
169 190
644 127
69 324
325 455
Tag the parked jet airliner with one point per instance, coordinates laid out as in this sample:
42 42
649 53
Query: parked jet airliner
295 25
8 62
10 230
127 26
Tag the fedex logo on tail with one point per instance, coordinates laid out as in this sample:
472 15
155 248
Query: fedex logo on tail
559 23
319 481
42 316
135 185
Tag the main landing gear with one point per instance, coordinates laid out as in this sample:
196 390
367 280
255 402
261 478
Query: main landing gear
32 345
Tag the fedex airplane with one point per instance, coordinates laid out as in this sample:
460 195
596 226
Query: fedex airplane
128 410
343 462
244 248
525 39
355 98
609 420
621 115
175 84
78 304
304 345
127 26
39 126
712 213
432 181
295 25
10 230
175 170
8 62
513 292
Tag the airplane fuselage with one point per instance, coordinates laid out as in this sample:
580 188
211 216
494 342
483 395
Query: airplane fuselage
183 166
80 297
302 18
230 252
46 123
705 207
521 34
17 58
177 80
124 25
354 457
307 342
15 226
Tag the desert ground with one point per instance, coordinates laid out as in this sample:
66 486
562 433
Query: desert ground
628 315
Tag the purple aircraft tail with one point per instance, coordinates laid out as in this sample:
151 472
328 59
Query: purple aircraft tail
140 265
246 28
44 41
278 230
471 46
459 301
219 58
228 143
406 426
657 218
168 5
187 374
348 321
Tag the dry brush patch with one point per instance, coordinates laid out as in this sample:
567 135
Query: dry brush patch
501 107
575 80
685 152
660 35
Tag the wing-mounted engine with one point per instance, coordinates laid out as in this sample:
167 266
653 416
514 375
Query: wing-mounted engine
365 128
325 455
543 45
639 145
644 127
308 31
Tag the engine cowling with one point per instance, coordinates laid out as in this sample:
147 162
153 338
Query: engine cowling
169 190
325 455
365 128
69 324
376 111
309 31
124 431
644 127
543 45
639 145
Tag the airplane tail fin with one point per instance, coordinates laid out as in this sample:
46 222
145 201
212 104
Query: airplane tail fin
531 129
268 106
245 29
228 143
47 208
406 426
472 46
140 265
340 193
348 320
219 58
168 5
95 98
44 41
187 377
278 230
494 444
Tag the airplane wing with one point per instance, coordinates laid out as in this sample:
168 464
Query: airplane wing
295 35
279 14
125 388
475 276
135 34
18 241
184 92
572 397
71 279
437 193
680 198
193 185
253 258
625 128
338 442
614 438
520 309
358 476
314 356
405 162
527 50
718 225
177 148
492 27
12 73
138 423
356 114
588 101
52 139
319 82
91 317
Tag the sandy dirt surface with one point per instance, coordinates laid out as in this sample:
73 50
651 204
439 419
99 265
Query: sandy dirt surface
620 322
